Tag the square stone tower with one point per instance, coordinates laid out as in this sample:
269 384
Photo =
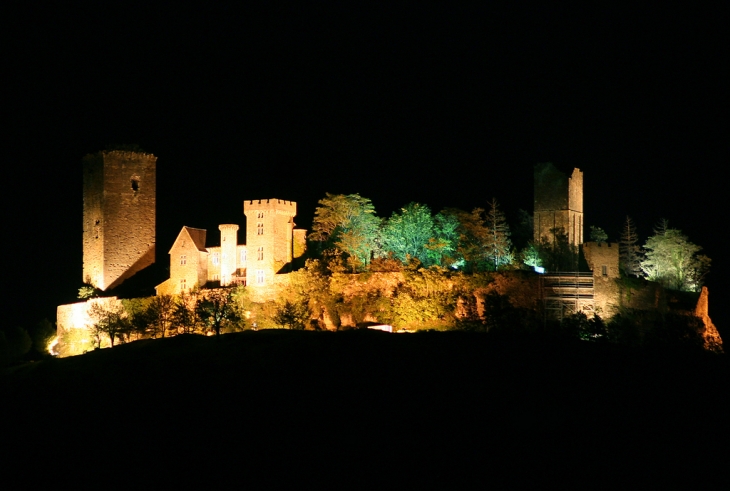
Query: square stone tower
558 204
119 216
269 238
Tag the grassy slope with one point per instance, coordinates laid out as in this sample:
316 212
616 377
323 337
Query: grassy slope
369 405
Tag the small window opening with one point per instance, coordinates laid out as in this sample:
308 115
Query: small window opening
135 185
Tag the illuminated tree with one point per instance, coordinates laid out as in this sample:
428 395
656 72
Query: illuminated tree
88 291
408 233
185 316
160 314
531 255
629 250
471 251
498 241
346 223
441 248
292 315
216 309
673 261
110 320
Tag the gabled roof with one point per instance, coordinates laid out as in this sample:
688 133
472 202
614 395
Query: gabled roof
195 235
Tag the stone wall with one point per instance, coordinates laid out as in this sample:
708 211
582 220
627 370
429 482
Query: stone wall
602 259
119 216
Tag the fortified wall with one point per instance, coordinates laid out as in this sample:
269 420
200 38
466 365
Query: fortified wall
602 259
119 216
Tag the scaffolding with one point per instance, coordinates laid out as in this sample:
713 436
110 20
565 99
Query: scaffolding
564 293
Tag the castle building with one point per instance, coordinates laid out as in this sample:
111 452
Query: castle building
272 243
119 216
558 204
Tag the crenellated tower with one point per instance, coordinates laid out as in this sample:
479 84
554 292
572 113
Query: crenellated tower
119 216
269 238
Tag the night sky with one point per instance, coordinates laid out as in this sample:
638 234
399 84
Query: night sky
447 107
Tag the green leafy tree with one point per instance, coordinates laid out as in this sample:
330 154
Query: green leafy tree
408 233
629 252
531 255
88 291
292 315
471 251
598 235
498 241
442 247
346 224
672 260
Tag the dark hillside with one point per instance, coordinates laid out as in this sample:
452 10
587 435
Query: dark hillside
364 406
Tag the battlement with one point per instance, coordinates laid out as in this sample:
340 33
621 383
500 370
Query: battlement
277 205
228 227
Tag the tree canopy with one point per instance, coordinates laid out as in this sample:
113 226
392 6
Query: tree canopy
672 260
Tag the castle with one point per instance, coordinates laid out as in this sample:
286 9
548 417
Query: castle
119 240
272 243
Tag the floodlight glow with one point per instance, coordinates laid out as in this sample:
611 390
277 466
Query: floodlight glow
539 269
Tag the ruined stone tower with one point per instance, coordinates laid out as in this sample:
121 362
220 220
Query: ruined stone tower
119 216
269 238
558 204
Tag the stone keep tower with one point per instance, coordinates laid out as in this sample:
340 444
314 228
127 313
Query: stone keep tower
119 216
558 203
269 238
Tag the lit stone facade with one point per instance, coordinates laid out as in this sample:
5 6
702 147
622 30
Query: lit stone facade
119 191
602 259
558 204
272 244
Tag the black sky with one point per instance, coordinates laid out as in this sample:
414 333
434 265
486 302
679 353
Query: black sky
447 106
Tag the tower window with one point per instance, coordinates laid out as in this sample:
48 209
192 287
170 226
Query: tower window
259 276
604 270
183 260
260 229
135 185
243 256
261 254
216 258
183 284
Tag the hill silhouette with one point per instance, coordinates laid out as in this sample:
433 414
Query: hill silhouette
362 406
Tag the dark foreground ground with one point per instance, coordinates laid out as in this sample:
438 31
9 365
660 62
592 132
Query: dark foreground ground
362 407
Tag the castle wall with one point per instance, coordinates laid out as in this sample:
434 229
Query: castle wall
603 260
73 323
119 216
300 242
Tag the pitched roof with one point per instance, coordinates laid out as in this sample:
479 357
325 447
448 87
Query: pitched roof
196 235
